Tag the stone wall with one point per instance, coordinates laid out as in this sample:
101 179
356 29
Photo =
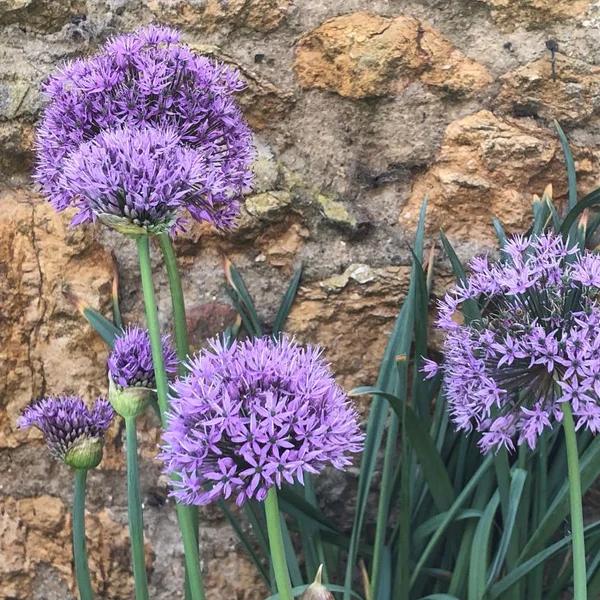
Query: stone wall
360 107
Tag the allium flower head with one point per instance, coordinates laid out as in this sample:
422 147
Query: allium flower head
535 345
131 370
135 179
149 78
253 415
73 432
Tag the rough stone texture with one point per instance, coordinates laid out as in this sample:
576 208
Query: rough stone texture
361 108
259 15
487 166
535 13
36 532
361 55
40 260
367 297
570 93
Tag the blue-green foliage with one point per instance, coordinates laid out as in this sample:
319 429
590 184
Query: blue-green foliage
450 523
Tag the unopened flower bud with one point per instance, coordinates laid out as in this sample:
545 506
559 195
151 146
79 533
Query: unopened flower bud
131 370
128 401
85 453
73 432
316 590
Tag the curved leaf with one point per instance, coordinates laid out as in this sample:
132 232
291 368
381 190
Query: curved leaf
286 302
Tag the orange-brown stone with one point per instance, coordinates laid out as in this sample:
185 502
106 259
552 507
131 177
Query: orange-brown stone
490 167
362 54
570 93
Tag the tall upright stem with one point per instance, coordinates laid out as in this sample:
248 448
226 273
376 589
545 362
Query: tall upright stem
282 576
134 511
184 513
578 542
182 342
194 583
178 302
82 571
160 374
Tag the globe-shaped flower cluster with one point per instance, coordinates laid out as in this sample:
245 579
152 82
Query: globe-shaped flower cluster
253 415
134 178
130 361
145 80
73 432
534 346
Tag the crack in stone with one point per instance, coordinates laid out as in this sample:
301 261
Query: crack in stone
42 308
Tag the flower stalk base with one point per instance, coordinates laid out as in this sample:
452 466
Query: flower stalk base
134 511
184 513
280 568
578 541
82 571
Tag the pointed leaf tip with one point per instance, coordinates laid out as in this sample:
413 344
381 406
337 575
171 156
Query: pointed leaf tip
316 590
319 574
75 300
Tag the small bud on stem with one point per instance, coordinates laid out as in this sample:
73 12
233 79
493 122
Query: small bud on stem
316 590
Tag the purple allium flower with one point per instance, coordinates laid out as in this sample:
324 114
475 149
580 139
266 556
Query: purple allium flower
130 362
73 432
149 78
535 345
140 176
253 415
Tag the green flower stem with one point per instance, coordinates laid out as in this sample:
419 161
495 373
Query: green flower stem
160 375
184 513
194 583
82 571
182 342
282 576
579 569
134 511
179 321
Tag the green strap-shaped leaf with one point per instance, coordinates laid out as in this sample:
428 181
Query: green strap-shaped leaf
421 400
424 530
376 426
500 233
462 562
559 507
287 301
570 163
516 491
251 326
480 550
592 199
450 516
242 299
506 583
107 330
470 308
291 556
541 218
428 457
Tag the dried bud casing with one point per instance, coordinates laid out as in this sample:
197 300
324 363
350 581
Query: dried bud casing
124 225
84 453
316 590
128 401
